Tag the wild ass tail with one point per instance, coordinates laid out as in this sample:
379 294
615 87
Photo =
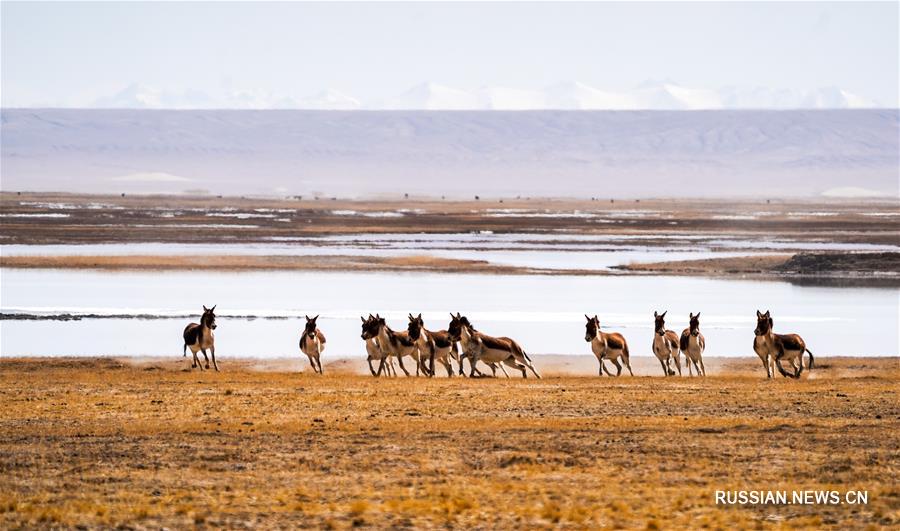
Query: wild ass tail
811 359
184 351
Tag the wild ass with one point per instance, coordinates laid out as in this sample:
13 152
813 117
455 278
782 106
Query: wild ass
396 344
607 346
374 352
693 344
312 343
770 347
665 345
489 349
199 337
433 345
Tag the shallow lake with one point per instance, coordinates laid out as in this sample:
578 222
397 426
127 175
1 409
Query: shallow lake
260 313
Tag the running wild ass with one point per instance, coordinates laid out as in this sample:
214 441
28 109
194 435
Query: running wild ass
693 344
396 344
199 337
607 346
772 347
375 352
665 345
433 345
482 347
312 343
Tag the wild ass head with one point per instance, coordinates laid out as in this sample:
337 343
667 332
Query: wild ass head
209 317
592 328
457 322
660 322
310 329
763 323
416 324
371 326
695 324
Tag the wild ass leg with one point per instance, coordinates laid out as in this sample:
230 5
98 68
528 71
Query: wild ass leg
765 362
371 369
316 365
702 367
515 365
448 366
603 366
677 357
780 368
628 364
203 350
665 367
400 359
212 352
618 366
196 360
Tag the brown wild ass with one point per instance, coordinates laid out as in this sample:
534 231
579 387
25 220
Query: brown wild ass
482 347
772 347
607 346
693 344
374 352
199 337
433 345
312 343
396 344
665 345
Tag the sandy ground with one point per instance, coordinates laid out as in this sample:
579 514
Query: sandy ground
149 444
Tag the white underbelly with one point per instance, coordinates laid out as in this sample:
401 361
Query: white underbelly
490 355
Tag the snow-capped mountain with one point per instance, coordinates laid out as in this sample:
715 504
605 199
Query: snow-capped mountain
330 100
573 95
432 97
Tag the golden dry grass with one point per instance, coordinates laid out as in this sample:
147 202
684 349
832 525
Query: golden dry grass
104 443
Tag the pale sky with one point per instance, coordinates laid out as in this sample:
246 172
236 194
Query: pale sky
72 54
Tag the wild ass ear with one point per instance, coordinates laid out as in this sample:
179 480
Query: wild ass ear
655 314
316 317
307 317
361 318
213 308
420 317
767 314
596 319
588 318
759 314
205 309
698 315
664 313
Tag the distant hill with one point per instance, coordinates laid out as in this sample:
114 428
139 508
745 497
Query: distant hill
457 154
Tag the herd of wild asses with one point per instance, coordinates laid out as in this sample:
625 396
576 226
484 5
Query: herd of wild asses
425 347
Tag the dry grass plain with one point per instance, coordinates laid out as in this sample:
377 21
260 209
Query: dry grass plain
148 444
